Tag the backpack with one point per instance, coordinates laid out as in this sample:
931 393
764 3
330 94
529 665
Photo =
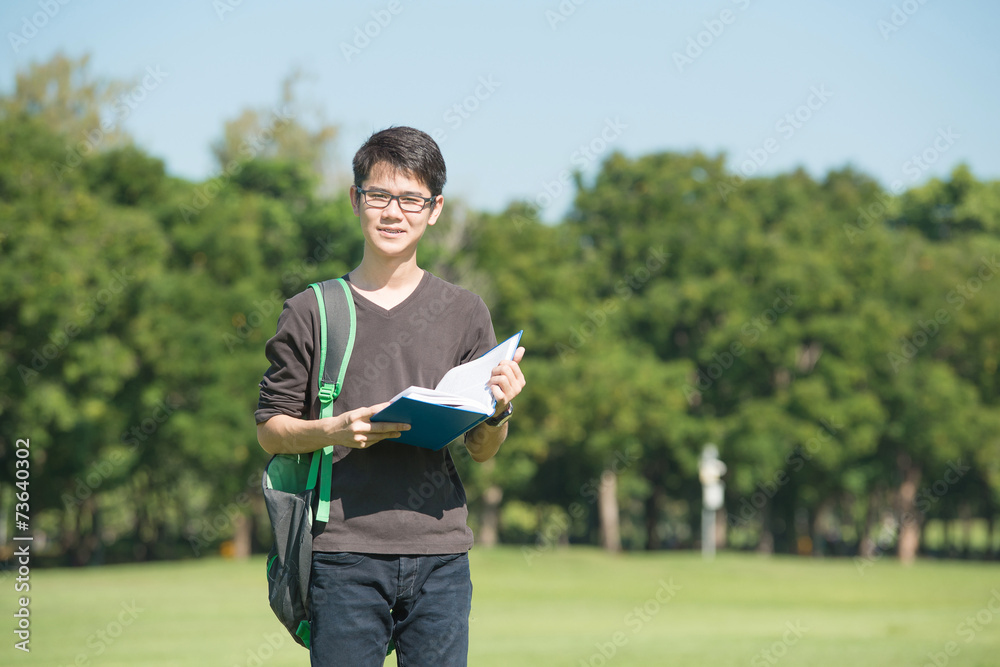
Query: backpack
290 480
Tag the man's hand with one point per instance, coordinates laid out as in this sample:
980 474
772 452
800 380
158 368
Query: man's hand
355 429
283 434
506 382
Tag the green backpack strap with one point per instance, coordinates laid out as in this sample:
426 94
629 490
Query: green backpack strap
336 309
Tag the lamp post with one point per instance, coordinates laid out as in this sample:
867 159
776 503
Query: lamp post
710 472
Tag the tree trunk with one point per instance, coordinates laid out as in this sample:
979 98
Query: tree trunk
720 529
818 528
766 543
96 539
909 517
993 550
993 529
146 530
242 534
869 533
3 513
69 536
489 524
965 523
142 497
86 528
607 505
653 519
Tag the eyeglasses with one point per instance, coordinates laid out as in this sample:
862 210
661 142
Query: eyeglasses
408 203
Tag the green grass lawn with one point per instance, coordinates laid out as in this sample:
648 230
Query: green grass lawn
571 607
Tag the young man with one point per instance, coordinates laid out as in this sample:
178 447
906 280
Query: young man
397 537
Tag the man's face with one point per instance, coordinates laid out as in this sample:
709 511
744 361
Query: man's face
391 231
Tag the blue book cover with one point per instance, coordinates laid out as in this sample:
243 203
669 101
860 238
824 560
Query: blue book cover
461 400
431 425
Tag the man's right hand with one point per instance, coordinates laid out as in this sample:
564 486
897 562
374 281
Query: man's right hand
283 434
355 429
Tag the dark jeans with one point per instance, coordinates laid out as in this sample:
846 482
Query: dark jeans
430 598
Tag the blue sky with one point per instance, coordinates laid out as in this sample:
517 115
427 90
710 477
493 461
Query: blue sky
545 87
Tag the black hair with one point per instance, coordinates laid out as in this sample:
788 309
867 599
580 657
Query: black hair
404 149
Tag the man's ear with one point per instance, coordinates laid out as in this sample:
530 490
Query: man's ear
436 211
355 200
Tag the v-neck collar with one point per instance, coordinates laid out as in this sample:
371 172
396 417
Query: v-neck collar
388 312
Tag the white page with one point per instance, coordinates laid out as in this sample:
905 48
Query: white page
436 397
470 380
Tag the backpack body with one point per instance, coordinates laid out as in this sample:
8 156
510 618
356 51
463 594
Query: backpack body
297 486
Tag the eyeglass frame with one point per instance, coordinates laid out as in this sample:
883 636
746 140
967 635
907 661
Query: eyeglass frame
399 202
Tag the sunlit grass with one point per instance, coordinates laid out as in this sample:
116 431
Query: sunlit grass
565 607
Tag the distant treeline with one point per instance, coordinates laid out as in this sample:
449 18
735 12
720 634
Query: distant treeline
837 342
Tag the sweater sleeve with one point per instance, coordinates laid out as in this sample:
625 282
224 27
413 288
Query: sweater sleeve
285 387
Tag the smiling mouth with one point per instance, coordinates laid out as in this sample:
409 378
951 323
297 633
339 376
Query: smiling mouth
391 231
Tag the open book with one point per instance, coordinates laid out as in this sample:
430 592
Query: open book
460 401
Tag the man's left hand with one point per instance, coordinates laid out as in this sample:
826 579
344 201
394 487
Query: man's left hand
507 381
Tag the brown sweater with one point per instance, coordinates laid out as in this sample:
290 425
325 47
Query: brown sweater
392 498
